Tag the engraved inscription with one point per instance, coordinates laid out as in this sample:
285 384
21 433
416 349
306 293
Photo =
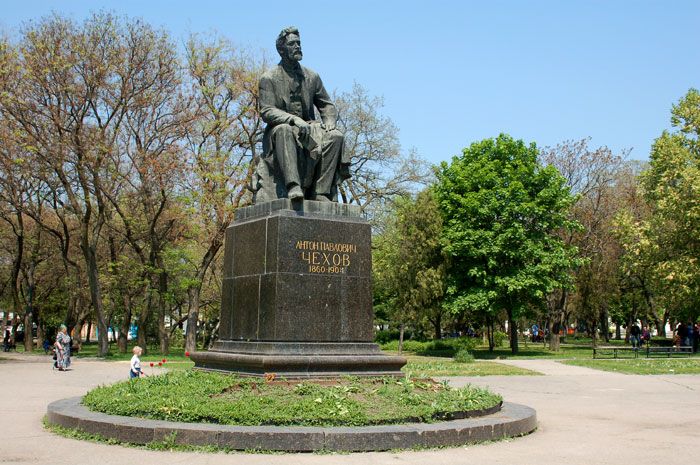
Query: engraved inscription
326 257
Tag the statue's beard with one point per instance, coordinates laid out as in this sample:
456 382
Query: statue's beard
297 56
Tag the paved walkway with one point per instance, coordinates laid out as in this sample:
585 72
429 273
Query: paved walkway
586 417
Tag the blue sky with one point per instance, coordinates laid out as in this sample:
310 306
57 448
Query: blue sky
452 73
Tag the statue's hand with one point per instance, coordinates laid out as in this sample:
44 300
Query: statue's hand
304 128
328 126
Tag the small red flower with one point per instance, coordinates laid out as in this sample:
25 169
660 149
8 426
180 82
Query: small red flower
164 360
187 354
151 363
160 364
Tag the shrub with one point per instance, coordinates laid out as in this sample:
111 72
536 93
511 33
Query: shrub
499 337
408 346
463 356
384 336
438 348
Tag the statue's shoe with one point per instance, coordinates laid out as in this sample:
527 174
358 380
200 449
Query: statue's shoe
295 193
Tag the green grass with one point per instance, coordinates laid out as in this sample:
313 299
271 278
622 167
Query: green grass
529 352
90 350
427 367
578 348
195 396
534 351
673 366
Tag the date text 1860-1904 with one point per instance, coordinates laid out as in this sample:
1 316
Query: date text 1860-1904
326 257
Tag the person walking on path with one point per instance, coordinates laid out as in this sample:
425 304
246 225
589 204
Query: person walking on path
7 341
62 347
634 335
135 371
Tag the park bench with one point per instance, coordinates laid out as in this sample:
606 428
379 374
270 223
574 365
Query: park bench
615 352
669 351
648 351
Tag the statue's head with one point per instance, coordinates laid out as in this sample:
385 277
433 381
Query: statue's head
289 44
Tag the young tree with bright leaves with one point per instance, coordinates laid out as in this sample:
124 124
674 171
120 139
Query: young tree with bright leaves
409 265
666 245
502 211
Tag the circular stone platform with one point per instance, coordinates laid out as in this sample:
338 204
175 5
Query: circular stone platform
512 420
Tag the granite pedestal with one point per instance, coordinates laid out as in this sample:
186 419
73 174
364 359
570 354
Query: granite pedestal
297 294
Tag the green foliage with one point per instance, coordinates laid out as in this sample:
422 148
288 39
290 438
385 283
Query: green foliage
464 356
408 263
382 337
499 337
438 348
501 212
664 246
193 396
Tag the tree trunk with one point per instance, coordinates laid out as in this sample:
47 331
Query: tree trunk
14 276
489 333
437 326
604 326
29 313
213 336
71 312
28 331
141 336
96 297
401 329
163 334
557 321
618 332
513 330
77 332
193 294
123 339
666 316
554 340
594 333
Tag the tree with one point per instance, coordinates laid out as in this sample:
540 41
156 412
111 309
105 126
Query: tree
221 146
380 170
67 88
148 169
409 266
665 246
501 212
593 176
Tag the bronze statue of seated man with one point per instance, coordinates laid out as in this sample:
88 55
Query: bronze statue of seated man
303 158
